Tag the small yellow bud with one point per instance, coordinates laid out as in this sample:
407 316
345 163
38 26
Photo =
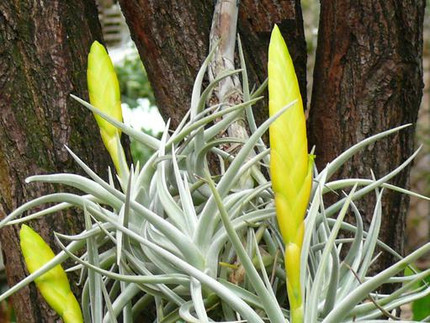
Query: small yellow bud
53 285
104 92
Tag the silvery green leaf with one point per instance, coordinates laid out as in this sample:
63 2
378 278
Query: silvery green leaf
50 210
72 199
371 239
185 313
347 304
195 96
404 295
340 184
310 220
185 196
173 211
311 311
94 278
342 158
208 90
353 257
140 136
270 302
221 236
220 126
211 283
198 303
81 183
360 193
110 316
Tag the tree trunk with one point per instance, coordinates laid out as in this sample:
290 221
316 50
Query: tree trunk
368 78
43 61
173 41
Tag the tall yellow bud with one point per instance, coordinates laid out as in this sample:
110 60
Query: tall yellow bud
290 164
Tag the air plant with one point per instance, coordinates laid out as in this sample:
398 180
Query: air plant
177 241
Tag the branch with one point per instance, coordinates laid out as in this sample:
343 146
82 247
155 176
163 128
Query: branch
229 90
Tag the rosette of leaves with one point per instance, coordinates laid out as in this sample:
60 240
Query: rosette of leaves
178 242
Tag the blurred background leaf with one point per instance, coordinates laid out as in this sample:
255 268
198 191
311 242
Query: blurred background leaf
421 307
133 81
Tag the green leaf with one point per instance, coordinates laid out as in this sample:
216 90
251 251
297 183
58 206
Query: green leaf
420 307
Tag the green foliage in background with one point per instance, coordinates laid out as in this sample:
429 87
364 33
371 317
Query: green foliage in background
134 85
133 81
420 307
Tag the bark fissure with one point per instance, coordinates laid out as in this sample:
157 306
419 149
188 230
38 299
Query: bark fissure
368 78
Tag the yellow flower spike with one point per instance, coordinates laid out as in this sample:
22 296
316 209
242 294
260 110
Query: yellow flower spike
290 164
104 92
53 285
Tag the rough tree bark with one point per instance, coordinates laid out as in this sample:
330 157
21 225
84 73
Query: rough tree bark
42 60
173 40
368 78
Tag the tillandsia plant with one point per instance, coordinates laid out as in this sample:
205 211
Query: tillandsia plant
179 242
